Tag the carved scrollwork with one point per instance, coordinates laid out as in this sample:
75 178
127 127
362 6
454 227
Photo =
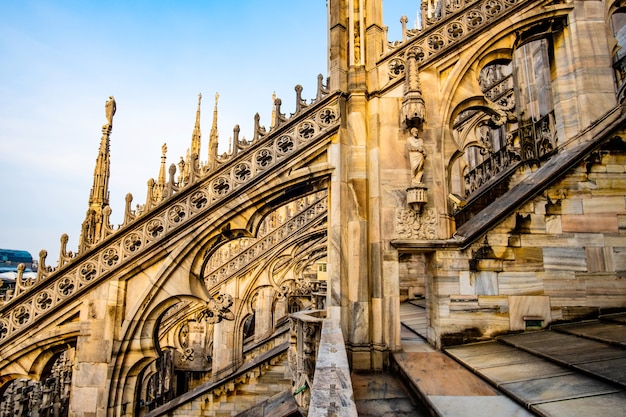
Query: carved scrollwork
493 7
474 18
419 54
154 220
456 19
183 336
284 291
436 42
303 288
455 30
413 225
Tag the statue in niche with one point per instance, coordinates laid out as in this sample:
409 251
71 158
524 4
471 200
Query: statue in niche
110 108
417 155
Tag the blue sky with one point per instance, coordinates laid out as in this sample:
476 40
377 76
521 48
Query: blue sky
61 60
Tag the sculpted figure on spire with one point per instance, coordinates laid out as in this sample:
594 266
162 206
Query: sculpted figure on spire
110 108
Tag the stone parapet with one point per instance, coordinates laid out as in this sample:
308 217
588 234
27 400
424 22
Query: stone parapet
332 393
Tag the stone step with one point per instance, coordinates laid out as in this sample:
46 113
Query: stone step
603 331
255 395
615 318
544 387
414 317
279 405
592 357
577 369
444 386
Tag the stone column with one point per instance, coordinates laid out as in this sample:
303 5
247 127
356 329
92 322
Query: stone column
263 325
90 378
223 348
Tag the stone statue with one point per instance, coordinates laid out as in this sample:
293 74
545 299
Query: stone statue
110 108
415 146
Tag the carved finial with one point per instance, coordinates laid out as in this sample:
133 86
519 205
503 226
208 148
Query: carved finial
171 183
129 216
404 20
106 222
63 255
259 131
42 270
322 90
418 19
280 118
300 103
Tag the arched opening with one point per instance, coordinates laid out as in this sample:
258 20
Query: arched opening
248 329
184 340
533 68
486 131
48 397
618 26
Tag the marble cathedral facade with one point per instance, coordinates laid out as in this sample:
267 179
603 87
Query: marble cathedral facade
477 163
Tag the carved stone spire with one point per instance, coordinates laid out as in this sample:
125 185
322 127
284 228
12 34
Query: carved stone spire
159 189
213 138
162 177
195 137
99 194
413 109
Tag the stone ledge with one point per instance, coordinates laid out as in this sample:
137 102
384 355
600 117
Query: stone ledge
332 393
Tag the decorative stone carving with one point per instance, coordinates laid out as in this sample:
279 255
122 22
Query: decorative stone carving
279 225
110 107
217 309
413 110
413 116
414 225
